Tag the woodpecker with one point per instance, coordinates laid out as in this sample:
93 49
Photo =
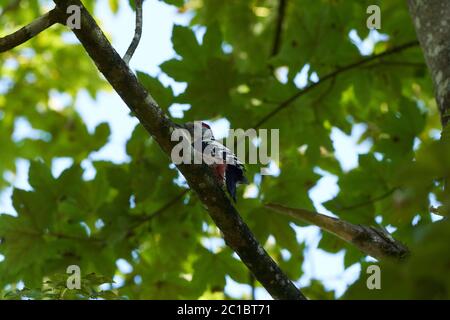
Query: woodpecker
228 169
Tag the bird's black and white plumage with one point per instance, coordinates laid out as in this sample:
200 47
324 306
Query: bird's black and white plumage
229 170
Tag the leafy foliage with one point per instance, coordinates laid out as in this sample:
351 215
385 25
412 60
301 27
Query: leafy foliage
141 211
56 288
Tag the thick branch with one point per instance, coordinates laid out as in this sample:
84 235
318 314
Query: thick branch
432 22
200 178
29 31
370 240
137 33
330 76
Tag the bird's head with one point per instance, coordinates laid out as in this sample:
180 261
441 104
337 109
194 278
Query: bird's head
200 127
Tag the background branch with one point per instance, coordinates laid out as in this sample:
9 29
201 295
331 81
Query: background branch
405 64
200 178
330 76
161 210
370 201
370 240
137 33
279 26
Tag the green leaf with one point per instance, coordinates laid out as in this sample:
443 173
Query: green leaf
177 3
209 272
114 5
212 41
40 176
23 246
186 45
101 134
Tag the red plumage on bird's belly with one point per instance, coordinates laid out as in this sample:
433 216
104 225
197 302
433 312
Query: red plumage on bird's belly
219 170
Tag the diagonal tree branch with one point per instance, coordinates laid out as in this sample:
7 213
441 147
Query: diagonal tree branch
370 240
200 178
137 33
29 31
286 103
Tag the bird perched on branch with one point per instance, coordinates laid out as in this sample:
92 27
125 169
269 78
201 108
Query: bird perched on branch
228 169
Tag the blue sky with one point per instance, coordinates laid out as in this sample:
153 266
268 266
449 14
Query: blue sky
155 48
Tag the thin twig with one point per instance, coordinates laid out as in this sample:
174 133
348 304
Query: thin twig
370 201
397 64
279 27
137 32
29 31
166 206
77 238
142 220
331 75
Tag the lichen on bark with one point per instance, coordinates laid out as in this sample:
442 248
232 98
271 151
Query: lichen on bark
432 23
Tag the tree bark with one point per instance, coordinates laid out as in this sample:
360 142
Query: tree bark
29 31
431 19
